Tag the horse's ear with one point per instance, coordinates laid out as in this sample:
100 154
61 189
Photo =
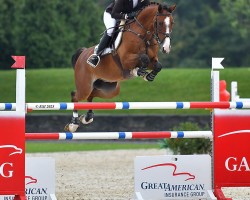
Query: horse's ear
172 8
160 8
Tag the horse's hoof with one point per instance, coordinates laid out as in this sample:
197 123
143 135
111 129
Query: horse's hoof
82 119
71 127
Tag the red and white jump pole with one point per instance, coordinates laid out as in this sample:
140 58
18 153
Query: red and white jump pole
128 105
118 135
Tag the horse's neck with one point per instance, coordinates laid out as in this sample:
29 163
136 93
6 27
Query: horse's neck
147 16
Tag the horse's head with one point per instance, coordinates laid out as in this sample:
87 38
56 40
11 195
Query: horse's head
153 25
163 24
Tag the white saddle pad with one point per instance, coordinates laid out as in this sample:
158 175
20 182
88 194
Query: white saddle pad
117 41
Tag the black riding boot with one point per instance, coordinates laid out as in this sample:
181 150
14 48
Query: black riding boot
94 59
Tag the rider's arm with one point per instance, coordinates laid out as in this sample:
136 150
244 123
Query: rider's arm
117 11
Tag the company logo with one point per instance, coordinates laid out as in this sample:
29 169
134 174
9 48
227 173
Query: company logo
30 180
239 163
14 149
234 133
171 187
6 168
35 189
187 176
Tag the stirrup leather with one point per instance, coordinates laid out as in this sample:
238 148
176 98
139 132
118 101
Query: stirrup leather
92 58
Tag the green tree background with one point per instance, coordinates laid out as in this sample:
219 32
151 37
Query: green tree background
48 32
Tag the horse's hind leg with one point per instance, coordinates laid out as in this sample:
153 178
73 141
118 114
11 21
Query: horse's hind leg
74 124
103 90
89 117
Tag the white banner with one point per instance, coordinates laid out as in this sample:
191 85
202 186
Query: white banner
39 179
173 177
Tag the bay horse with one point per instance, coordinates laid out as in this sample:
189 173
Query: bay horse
136 55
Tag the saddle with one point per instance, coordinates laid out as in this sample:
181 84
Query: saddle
115 41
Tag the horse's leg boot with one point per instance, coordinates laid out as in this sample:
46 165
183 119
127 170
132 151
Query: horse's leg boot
142 71
73 126
88 118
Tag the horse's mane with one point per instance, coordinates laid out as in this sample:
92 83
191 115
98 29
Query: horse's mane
164 6
153 3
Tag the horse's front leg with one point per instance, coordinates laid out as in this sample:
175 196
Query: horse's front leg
156 69
74 124
142 71
143 63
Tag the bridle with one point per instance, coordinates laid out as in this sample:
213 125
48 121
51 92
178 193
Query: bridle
155 33
156 30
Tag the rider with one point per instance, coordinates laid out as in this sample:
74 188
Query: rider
119 9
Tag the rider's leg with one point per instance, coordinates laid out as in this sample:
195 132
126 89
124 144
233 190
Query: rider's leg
109 22
94 59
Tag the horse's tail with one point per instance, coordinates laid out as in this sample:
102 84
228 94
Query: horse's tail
76 55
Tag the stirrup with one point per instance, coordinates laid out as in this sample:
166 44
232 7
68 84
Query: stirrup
92 58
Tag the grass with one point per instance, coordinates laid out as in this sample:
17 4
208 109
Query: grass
55 85
36 147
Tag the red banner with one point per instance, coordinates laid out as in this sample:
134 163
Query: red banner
12 155
231 148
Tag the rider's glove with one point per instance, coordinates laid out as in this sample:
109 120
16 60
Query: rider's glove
130 15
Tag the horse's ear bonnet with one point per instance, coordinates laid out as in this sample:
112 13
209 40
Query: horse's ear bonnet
172 8
165 6
160 8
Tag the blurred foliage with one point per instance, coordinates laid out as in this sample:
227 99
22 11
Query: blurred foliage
49 31
187 146
238 13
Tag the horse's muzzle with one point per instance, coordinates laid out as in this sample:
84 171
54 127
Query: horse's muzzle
166 47
166 50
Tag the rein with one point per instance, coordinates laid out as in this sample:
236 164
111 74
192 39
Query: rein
142 37
155 33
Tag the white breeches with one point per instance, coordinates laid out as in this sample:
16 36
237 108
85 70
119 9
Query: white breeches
109 23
